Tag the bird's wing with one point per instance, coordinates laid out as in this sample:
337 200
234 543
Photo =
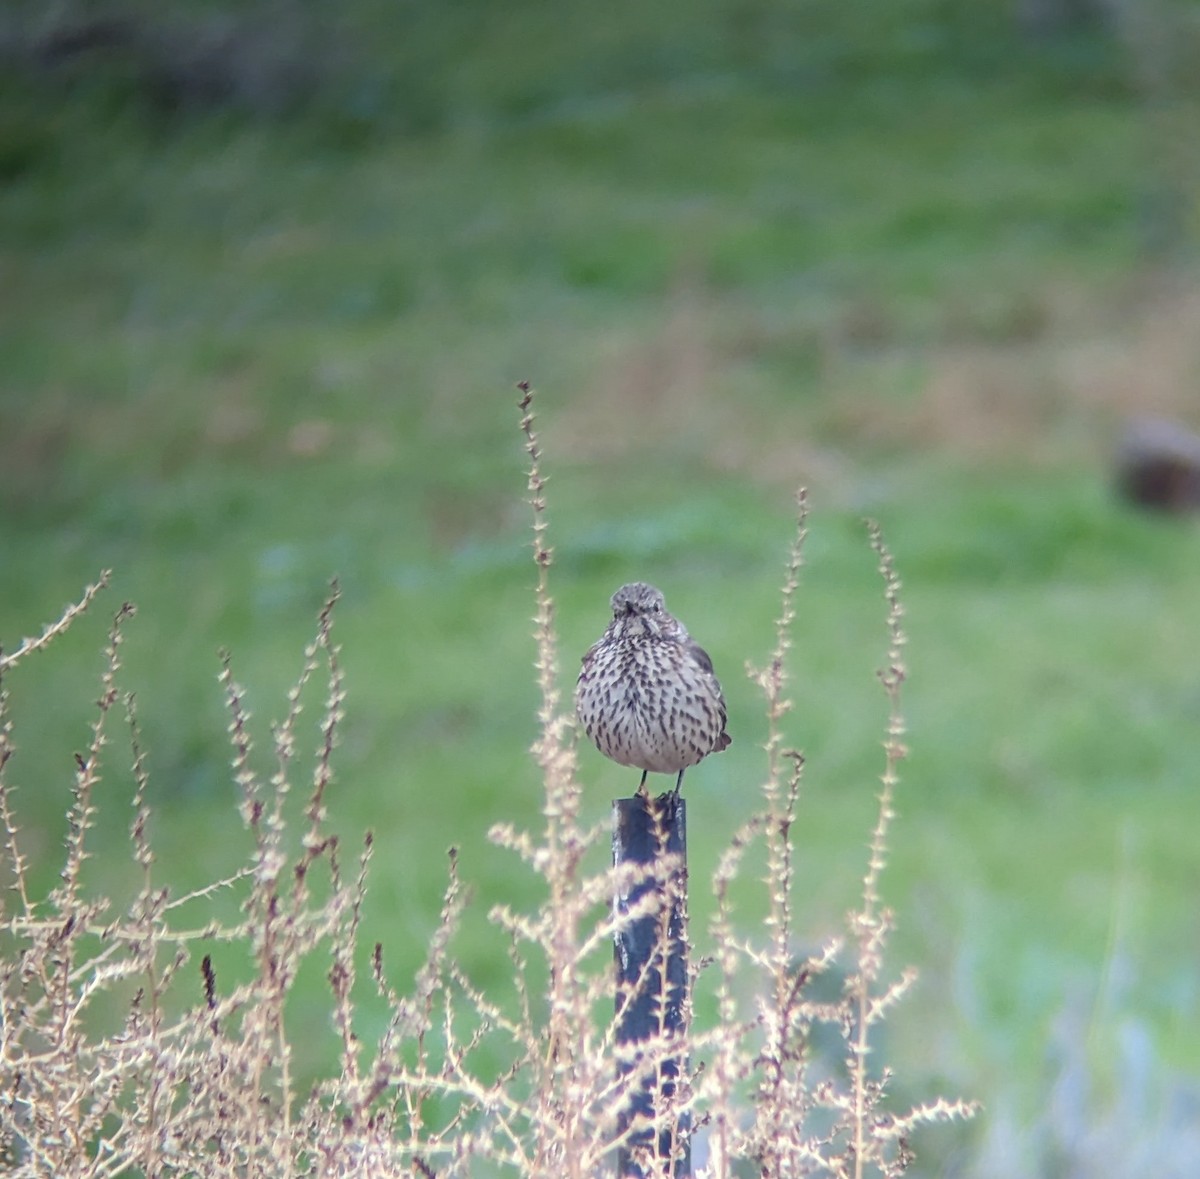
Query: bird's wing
701 656
704 662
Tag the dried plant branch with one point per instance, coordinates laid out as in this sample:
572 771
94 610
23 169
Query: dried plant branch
444 1078
52 630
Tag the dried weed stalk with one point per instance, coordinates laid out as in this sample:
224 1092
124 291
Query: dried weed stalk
197 1076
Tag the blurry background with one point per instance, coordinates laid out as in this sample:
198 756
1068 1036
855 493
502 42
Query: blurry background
269 273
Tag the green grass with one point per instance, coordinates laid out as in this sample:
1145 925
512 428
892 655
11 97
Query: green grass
240 357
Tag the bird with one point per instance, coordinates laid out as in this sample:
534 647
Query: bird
647 694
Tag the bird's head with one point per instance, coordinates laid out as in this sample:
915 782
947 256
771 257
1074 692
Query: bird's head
641 609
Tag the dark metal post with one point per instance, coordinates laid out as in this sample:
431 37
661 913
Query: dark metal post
652 979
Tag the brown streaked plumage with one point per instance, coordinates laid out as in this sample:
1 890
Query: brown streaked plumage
647 695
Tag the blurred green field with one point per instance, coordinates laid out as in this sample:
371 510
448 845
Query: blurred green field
899 253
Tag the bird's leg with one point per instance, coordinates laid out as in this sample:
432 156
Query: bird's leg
642 784
679 783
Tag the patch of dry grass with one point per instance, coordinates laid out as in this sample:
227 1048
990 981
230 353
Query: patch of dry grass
1042 377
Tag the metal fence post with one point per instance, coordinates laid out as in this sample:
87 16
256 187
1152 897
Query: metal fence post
651 958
